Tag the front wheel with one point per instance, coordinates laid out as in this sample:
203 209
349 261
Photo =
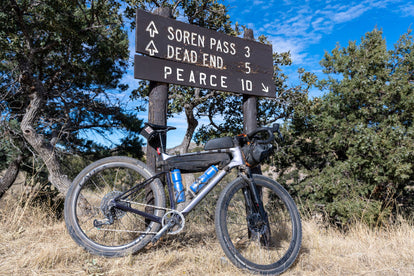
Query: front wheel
262 245
92 220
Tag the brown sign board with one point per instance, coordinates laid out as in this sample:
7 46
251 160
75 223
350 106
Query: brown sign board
245 66
167 71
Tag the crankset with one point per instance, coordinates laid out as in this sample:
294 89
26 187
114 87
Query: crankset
176 219
172 223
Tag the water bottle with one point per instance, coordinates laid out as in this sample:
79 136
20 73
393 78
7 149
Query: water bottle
178 186
203 179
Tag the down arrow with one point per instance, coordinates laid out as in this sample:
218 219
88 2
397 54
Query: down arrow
265 88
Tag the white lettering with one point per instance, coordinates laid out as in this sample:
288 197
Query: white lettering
170 51
213 42
247 54
211 80
219 49
223 81
212 61
205 57
177 53
200 41
192 78
247 65
181 54
179 74
186 56
247 85
226 47
167 71
186 37
197 40
220 62
222 46
178 35
193 56
170 33
198 78
233 49
203 77
193 39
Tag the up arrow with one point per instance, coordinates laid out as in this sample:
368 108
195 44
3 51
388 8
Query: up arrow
151 49
152 29
265 88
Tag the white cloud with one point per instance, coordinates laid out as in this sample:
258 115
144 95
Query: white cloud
349 13
407 10
295 46
297 25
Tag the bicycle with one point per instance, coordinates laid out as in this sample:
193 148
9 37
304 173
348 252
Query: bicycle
117 205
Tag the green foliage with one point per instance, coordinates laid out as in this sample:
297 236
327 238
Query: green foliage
356 143
72 54
228 107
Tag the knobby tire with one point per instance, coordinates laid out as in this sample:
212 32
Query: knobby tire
88 199
264 248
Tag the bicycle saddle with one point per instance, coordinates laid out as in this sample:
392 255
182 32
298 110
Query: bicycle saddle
160 127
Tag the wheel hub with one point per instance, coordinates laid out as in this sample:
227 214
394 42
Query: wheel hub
107 206
258 229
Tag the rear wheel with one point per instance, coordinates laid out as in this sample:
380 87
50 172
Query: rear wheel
262 245
102 229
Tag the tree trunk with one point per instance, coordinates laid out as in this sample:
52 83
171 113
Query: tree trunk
10 175
192 125
46 151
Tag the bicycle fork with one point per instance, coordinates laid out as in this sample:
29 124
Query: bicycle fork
256 216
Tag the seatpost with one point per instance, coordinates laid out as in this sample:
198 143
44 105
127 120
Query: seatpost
160 136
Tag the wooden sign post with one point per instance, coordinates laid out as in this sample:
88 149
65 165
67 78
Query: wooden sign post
157 102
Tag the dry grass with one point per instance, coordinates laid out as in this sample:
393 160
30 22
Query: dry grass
32 242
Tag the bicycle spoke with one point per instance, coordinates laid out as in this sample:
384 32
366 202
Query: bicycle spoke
251 241
97 224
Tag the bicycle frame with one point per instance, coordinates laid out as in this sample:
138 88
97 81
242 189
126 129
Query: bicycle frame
236 161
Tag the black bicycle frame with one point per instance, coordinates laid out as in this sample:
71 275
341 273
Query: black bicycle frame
127 193
253 199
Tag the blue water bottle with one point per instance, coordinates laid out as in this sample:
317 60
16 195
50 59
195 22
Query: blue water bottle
203 179
178 186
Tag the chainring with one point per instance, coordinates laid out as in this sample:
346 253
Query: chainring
179 221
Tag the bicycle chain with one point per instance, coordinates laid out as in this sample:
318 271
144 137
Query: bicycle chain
145 205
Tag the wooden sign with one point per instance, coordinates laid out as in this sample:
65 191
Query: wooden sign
191 75
186 54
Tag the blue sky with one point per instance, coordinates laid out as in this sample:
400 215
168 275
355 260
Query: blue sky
307 29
